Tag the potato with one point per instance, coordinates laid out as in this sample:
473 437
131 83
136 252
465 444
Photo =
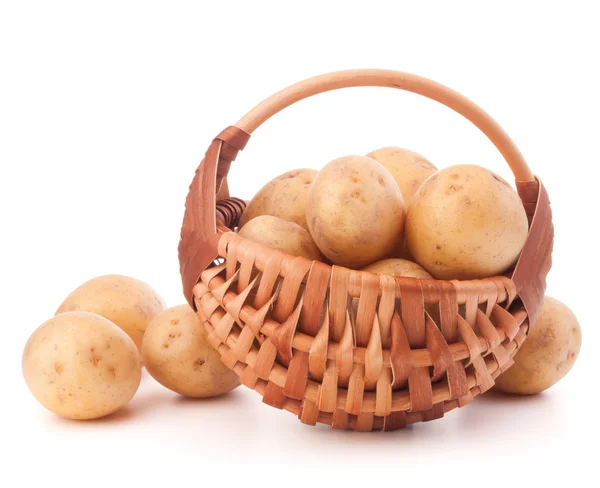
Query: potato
398 267
407 269
177 355
408 168
285 236
548 353
80 365
355 212
129 303
283 197
465 222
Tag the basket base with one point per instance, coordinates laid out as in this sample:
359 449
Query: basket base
240 351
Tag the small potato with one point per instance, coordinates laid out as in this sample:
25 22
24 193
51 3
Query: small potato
398 267
177 355
355 212
408 168
129 303
81 366
548 353
407 269
285 236
465 222
283 197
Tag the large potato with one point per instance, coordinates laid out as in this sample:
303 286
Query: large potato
408 168
283 197
355 212
129 303
548 353
397 267
177 355
278 234
465 222
81 366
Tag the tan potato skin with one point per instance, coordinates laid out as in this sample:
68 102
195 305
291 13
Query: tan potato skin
177 354
283 197
408 168
81 366
125 301
548 353
355 212
285 236
398 267
465 222
407 269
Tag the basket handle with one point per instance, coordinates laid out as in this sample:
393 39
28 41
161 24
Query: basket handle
199 234
392 79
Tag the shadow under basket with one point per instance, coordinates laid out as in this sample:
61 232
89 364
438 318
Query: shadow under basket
353 349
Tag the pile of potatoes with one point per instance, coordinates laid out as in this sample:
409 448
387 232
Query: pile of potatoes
393 212
378 211
86 361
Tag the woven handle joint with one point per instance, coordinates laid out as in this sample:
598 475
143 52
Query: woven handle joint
199 232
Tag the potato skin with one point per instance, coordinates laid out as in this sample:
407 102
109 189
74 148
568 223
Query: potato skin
177 354
80 365
406 269
465 222
397 267
548 353
355 212
283 197
284 236
408 168
125 301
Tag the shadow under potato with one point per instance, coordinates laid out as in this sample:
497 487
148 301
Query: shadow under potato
500 398
231 397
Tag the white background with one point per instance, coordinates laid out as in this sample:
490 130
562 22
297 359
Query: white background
107 107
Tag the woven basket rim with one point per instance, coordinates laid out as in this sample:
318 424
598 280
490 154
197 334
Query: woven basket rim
462 287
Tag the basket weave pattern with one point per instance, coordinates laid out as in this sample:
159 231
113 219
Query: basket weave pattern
361 360
348 348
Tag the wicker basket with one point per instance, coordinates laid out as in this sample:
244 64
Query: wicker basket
291 329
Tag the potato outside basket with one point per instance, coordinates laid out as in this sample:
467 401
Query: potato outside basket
290 327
